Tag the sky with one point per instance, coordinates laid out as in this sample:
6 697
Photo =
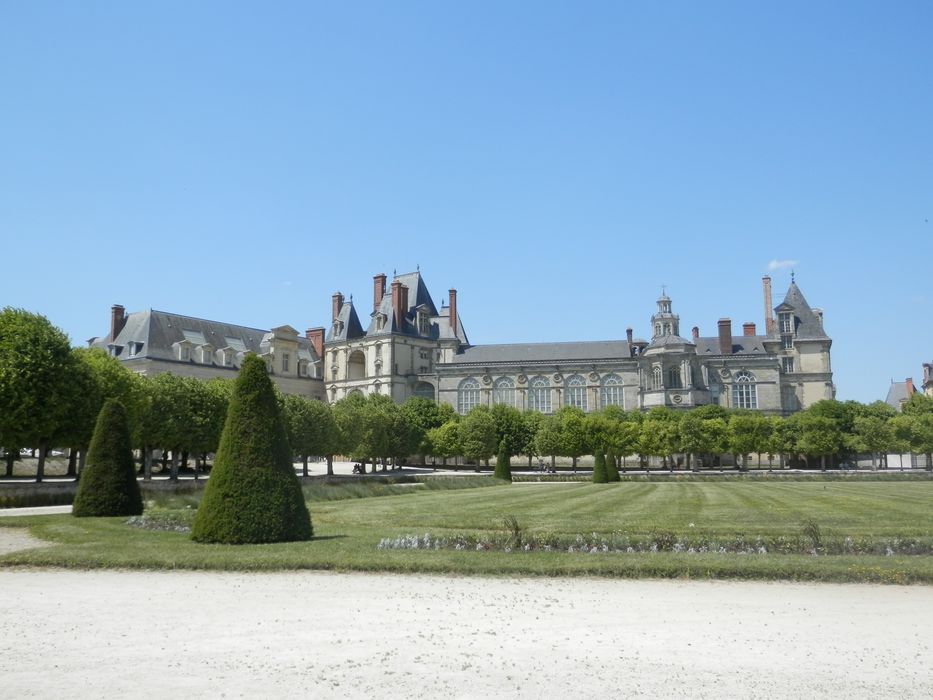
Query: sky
556 163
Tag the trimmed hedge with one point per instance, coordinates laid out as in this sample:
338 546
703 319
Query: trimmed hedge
612 471
253 494
108 485
600 475
503 464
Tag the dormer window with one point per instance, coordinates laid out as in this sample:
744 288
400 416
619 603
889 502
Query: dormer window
302 368
380 321
227 355
424 323
786 321
207 355
184 353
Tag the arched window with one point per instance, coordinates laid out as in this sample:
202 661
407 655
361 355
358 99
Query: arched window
744 391
611 392
673 378
356 365
539 395
467 395
656 382
425 390
576 392
503 391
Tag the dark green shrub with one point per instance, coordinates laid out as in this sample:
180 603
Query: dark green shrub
503 466
600 476
253 494
108 483
612 471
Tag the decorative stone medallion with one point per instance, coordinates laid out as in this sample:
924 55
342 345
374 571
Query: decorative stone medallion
558 377
677 398
522 379
594 377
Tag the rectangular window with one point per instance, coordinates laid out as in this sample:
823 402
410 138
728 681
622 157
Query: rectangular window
787 323
285 361
185 353
787 342
788 363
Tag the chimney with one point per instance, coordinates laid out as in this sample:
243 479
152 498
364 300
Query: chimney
379 289
769 318
909 382
404 301
316 338
927 372
397 304
748 328
336 305
725 336
819 315
628 339
117 321
696 332
453 311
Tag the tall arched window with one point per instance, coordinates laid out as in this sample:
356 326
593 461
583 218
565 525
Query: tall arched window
744 391
611 392
656 382
539 395
576 392
424 390
503 391
467 395
673 378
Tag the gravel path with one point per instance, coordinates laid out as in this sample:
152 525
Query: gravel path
143 634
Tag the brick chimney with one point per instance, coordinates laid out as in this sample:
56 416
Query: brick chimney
769 317
453 311
404 300
695 332
725 336
397 288
748 328
316 337
379 289
336 305
117 321
909 382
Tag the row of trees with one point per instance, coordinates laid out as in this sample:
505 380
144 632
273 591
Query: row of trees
50 395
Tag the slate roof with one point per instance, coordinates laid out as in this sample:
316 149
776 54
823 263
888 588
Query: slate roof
153 334
545 352
897 394
350 327
741 345
806 322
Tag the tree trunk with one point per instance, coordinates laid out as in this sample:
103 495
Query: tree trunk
176 458
82 461
574 459
304 465
874 461
40 466
330 465
147 463
823 463
553 463
72 462
529 462
197 463
10 459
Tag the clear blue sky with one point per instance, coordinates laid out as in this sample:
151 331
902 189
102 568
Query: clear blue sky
556 163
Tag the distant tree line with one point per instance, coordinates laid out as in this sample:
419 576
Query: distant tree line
51 394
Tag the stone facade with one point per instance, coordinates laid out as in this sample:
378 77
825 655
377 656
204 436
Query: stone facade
411 348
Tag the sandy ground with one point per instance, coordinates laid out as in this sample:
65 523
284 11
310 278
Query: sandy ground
141 634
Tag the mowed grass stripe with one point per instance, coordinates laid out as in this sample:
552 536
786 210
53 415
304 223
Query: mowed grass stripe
856 509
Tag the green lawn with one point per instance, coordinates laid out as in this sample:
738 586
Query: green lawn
348 531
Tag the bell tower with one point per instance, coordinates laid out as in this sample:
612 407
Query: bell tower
664 321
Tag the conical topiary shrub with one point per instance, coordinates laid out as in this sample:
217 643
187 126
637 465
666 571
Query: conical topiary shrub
253 494
599 469
612 471
503 464
108 483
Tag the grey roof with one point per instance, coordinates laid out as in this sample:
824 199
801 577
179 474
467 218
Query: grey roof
349 324
741 345
666 341
154 334
545 352
418 298
897 394
806 322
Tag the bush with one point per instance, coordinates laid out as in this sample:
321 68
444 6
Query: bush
600 475
612 471
503 465
108 485
253 494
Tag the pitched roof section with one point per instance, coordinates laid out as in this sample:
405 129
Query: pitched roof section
347 325
897 395
418 298
545 352
806 322
741 345
154 334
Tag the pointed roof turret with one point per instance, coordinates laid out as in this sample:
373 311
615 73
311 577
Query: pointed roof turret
807 323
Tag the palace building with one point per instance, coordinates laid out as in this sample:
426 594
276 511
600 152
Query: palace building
410 347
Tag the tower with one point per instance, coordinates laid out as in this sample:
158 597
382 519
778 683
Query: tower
664 321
